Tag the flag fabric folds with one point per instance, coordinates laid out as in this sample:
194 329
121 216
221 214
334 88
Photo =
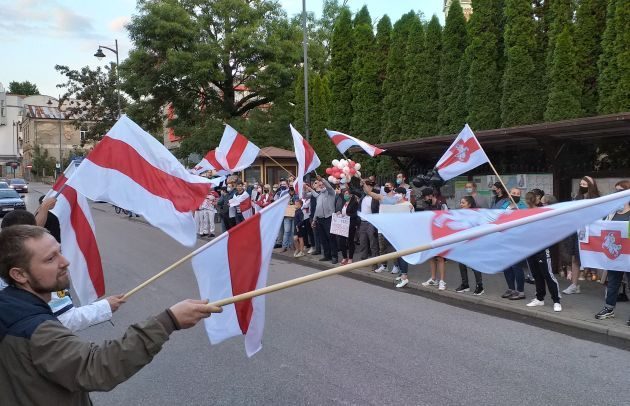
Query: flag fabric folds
236 262
78 242
606 245
464 154
492 239
234 153
344 141
210 163
244 204
306 157
131 169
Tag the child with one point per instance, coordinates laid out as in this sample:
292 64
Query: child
300 229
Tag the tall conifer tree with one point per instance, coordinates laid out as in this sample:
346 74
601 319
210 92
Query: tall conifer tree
342 55
621 92
383 42
411 95
428 108
454 43
564 85
519 100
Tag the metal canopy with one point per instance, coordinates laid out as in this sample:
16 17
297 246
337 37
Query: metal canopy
581 130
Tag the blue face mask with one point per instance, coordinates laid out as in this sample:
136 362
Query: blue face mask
398 181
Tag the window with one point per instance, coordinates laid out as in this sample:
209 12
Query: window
84 134
252 174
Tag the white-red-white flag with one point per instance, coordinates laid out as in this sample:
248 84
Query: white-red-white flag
606 245
210 163
78 242
131 169
490 240
344 141
306 157
244 204
237 262
464 154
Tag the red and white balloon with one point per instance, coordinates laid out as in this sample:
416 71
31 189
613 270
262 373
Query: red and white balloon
342 170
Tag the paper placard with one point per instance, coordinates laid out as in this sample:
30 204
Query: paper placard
340 225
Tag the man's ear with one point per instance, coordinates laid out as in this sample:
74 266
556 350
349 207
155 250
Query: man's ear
18 275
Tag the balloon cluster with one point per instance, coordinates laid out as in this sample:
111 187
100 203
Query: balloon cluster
343 170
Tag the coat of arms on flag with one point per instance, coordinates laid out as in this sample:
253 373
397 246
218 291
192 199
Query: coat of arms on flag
607 246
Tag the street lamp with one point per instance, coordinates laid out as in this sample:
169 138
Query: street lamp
49 103
100 55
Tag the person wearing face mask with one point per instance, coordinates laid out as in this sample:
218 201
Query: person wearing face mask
283 189
480 201
223 207
324 210
587 190
385 197
500 196
231 191
346 244
401 266
368 234
515 194
265 198
615 277
540 265
468 202
433 202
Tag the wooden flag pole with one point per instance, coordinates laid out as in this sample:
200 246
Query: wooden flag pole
469 234
504 187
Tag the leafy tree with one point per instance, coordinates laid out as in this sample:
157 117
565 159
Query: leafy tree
25 88
520 98
342 55
383 42
559 14
43 165
321 99
621 92
589 27
564 84
362 17
200 54
484 90
429 104
412 98
97 98
607 64
366 92
454 43
393 87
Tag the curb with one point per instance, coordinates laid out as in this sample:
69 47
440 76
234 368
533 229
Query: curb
575 327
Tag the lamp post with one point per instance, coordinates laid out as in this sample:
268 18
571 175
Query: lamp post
58 108
15 127
100 55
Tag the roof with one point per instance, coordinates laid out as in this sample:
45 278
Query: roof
43 112
275 152
587 129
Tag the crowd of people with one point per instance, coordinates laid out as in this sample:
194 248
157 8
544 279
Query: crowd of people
306 230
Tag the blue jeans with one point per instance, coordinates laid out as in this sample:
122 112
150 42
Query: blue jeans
612 290
287 239
402 265
515 273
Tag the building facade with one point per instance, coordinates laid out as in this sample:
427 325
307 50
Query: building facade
466 7
10 134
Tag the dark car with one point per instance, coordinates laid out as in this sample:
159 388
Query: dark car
18 185
10 200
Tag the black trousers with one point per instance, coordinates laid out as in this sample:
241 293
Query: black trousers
327 240
542 271
463 271
346 244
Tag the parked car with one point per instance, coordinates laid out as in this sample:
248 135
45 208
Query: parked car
4 185
10 200
18 185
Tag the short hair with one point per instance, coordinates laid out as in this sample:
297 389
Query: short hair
17 217
427 191
13 251
538 192
400 189
239 183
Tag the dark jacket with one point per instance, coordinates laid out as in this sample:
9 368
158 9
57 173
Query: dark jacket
313 206
44 363
375 205
353 208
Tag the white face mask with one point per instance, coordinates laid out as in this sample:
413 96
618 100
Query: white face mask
469 190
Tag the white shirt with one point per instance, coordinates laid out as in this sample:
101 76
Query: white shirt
366 205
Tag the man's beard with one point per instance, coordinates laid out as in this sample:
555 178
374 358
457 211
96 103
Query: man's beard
62 282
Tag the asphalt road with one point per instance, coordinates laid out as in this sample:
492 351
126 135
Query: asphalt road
342 341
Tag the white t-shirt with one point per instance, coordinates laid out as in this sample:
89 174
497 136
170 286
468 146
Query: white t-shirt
366 205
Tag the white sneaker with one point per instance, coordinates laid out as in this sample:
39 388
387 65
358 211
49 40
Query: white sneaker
430 282
311 250
395 269
557 307
296 254
572 289
535 302
402 283
442 285
300 254
380 269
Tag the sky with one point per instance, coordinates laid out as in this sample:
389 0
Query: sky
39 34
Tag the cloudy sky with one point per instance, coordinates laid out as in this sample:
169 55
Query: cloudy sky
38 34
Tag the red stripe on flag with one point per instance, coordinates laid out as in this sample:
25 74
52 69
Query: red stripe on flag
308 155
472 145
338 138
118 155
245 258
61 180
236 150
85 240
211 157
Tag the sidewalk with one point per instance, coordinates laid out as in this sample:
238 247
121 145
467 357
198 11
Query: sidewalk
578 310
577 313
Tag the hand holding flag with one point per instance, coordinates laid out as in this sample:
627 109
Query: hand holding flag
344 141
